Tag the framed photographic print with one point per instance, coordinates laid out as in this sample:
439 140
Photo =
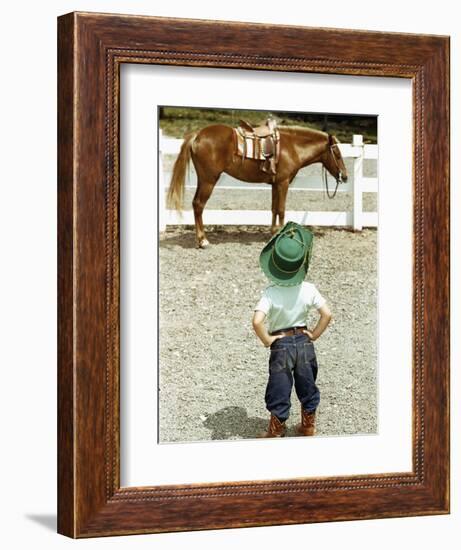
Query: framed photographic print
217 287
199 161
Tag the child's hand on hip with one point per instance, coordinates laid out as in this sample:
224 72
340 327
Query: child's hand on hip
272 339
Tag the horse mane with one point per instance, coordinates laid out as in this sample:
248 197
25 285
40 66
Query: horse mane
302 130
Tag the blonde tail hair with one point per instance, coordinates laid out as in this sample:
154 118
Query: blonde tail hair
175 195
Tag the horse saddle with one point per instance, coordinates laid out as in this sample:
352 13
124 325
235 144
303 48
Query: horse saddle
259 143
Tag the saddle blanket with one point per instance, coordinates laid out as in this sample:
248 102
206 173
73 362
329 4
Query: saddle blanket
254 147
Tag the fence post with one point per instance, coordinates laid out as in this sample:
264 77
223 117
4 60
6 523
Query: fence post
357 141
161 185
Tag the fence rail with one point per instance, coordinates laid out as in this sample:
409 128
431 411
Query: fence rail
356 218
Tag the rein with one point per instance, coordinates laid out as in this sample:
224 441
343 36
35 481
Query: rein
325 175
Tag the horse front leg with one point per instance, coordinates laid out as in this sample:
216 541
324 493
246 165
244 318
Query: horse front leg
282 199
275 200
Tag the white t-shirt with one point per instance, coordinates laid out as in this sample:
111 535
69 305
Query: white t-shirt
288 306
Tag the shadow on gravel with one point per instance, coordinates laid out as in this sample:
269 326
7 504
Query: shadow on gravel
186 238
234 422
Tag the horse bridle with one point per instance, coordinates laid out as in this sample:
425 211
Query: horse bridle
338 179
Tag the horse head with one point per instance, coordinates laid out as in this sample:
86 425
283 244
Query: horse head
333 161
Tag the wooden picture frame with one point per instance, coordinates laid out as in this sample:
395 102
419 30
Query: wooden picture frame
92 47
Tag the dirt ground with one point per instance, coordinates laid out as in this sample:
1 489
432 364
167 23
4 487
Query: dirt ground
213 370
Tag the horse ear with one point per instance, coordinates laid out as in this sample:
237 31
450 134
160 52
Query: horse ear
331 139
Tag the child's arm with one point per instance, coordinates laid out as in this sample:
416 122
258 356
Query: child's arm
260 329
323 322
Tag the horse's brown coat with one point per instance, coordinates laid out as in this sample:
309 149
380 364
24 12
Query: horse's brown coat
212 151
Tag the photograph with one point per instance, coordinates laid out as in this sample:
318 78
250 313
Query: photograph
267 274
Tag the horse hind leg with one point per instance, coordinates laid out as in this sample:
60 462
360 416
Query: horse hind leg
202 194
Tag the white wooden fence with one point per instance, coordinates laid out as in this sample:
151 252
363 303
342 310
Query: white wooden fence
357 218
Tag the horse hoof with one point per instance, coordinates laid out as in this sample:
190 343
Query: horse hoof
204 243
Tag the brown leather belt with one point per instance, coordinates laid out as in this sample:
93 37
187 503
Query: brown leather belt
289 331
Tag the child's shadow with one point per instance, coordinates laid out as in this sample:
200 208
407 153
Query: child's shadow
234 423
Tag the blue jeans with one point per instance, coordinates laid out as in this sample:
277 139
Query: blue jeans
292 358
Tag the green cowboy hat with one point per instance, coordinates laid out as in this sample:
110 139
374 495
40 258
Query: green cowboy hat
285 258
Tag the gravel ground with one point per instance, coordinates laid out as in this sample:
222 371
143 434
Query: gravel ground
213 370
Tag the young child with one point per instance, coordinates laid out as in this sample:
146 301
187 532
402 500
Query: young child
284 305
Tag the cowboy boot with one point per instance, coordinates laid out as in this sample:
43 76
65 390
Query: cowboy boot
307 426
275 429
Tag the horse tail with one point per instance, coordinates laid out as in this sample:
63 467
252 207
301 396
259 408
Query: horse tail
175 195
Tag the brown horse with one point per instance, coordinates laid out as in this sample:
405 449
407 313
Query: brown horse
212 150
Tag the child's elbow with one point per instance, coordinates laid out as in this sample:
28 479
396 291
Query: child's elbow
328 316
